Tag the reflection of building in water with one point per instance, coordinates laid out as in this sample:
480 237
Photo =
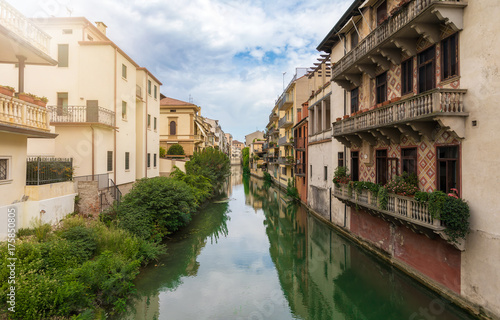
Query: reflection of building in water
257 193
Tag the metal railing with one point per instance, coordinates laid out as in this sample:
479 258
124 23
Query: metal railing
383 32
431 103
21 113
41 170
81 114
102 180
16 22
114 191
286 100
284 122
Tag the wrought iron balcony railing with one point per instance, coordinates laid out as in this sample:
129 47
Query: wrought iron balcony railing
81 114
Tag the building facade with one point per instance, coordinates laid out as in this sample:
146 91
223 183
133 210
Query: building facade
413 92
104 107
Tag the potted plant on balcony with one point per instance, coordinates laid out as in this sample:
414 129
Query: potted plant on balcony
27 97
338 119
6 90
41 101
346 116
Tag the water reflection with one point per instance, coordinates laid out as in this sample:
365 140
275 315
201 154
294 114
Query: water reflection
258 257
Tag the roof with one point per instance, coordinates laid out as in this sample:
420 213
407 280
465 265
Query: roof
174 102
237 142
331 38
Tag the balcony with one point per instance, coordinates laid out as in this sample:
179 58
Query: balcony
285 123
35 43
417 116
400 209
285 102
273 117
71 115
284 141
22 117
400 32
300 170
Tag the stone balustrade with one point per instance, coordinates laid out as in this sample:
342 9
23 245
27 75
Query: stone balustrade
20 113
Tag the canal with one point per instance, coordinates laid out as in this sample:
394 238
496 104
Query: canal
257 257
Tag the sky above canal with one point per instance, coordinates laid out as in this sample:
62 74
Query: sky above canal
228 56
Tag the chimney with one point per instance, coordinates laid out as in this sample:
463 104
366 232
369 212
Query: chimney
101 26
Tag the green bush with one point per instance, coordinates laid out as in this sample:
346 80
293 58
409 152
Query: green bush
156 207
175 149
200 185
267 177
163 152
210 163
80 268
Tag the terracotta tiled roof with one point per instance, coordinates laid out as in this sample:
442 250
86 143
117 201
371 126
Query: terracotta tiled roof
174 102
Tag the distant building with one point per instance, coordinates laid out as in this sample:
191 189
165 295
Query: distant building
182 124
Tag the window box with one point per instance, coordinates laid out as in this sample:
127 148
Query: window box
346 116
8 91
338 119
25 97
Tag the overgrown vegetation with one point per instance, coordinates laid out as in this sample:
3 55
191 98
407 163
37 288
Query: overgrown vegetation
84 269
81 266
245 155
291 190
267 177
175 150
341 175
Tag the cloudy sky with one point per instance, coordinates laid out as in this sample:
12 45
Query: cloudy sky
227 55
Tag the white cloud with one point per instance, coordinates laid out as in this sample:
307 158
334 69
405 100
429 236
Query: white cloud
228 55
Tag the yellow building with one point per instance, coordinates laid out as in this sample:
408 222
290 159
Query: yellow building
181 123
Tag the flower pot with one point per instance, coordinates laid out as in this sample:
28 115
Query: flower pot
395 99
40 103
338 119
385 103
6 91
26 98
346 116
359 112
378 105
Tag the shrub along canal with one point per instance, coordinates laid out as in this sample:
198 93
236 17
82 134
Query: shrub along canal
257 257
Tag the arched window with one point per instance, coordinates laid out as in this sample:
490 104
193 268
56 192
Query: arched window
173 130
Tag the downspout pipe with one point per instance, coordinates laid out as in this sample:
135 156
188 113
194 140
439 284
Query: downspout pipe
114 132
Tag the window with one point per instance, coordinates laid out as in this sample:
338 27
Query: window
426 66
311 170
354 165
154 160
447 158
124 110
354 39
407 76
283 171
173 131
409 160
149 121
124 71
354 100
149 87
62 55
325 173
127 160
381 87
154 123
149 160
340 159
110 161
449 57
4 169
381 12
381 166
155 91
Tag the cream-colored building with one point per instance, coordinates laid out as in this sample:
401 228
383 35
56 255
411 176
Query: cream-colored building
104 106
20 120
414 90
181 123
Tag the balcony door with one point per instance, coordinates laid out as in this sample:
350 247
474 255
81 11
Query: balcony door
92 111
381 166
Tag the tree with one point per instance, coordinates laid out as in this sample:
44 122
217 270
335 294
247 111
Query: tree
175 149
210 163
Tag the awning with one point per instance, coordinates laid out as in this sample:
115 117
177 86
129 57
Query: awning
368 3
348 26
201 128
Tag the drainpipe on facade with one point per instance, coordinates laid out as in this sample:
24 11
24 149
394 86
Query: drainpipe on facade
114 132
93 156
146 127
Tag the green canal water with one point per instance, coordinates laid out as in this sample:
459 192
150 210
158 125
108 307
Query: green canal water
257 257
